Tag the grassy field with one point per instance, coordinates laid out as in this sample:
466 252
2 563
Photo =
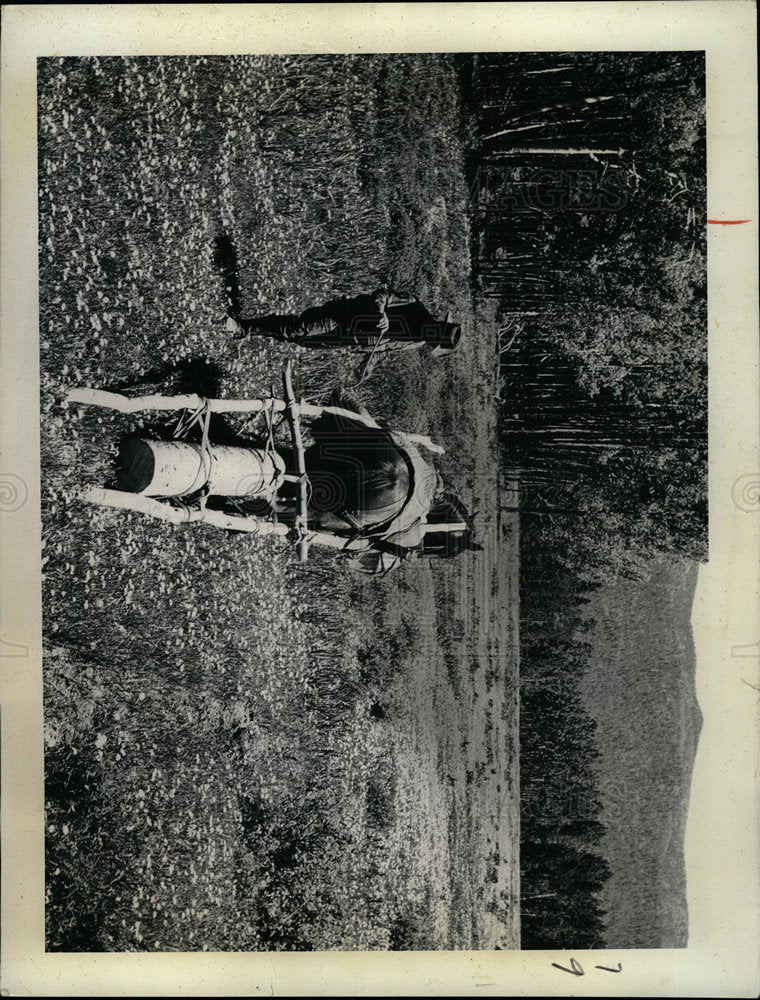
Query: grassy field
242 753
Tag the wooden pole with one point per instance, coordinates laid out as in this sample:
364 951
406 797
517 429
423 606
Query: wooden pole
157 401
453 526
175 515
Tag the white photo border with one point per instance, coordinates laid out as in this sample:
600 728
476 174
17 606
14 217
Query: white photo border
723 838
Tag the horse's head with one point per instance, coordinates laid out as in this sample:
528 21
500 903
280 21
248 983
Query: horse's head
445 544
448 509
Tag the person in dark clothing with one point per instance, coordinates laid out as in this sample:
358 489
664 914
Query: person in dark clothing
377 324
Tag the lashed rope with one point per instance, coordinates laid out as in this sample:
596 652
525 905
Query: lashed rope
202 416
200 410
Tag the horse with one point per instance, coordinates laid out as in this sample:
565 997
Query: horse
359 477
370 482
364 481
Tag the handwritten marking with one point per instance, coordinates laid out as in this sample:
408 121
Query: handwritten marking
728 222
576 969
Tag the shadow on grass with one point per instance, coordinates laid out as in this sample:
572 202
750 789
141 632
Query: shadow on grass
226 260
189 376
70 782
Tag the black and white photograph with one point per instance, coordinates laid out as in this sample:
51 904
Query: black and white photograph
373 499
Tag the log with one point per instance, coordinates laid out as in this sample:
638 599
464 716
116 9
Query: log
292 413
178 468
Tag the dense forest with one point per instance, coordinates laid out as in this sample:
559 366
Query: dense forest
589 205
560 807
587 176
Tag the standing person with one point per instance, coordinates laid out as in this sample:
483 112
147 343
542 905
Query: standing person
377 323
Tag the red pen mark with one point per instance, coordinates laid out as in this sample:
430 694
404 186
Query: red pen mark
728 222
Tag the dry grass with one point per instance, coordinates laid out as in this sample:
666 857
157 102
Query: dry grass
218 775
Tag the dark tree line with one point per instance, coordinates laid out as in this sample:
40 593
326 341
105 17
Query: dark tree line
588 208
561 859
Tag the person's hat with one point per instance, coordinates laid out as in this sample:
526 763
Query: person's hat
451 334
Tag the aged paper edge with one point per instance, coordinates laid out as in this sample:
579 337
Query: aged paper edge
722 834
